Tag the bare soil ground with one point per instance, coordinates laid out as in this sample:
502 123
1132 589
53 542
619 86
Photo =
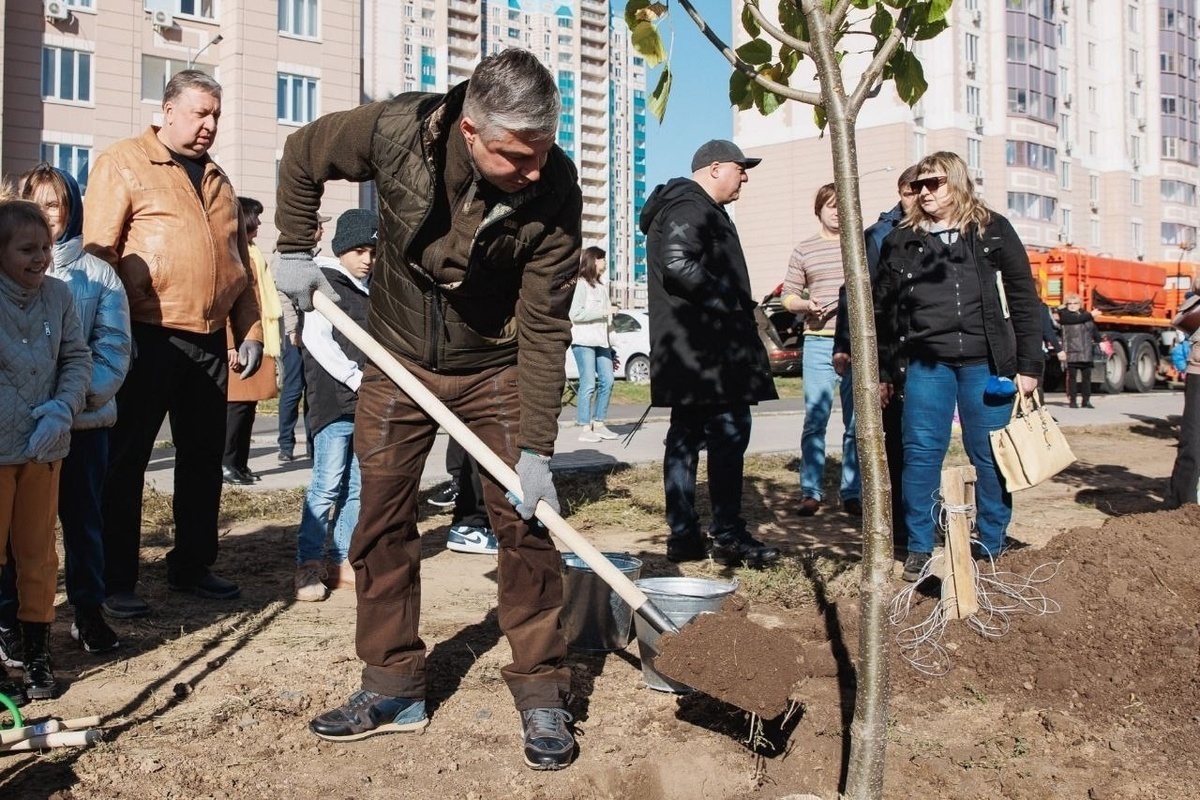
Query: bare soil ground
1100 700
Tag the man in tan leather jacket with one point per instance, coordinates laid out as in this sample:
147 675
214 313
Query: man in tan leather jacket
167 218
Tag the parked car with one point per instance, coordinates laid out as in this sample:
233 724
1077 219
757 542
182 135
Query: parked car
781 334
631 340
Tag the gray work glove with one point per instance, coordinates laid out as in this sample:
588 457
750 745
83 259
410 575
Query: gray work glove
298 276
250 356
53 426
536 483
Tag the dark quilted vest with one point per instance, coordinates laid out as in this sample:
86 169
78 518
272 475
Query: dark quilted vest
330 399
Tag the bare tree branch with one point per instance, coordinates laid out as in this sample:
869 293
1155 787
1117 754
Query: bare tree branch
780 35
837 17
811 98
867 82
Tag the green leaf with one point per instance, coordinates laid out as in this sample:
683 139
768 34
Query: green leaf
819 117
930 30
749 23
789 59
631 9
739 91
909 76
792 20
938 10
652 13
755 51
662 92
769 103
882 24
648 43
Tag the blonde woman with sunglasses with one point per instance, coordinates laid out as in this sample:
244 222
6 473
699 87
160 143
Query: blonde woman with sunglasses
956 302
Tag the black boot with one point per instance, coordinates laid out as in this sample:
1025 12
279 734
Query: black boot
39 676
12 689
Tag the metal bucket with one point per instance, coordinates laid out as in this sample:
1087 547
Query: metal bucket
681 599
593 616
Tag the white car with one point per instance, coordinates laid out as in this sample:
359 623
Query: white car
631 340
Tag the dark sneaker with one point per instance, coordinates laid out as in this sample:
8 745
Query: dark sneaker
285 456
681 549
853 507
125 605
10 647
808 507
731 549
206 585
92 632
12 689
367 714
548 741
914 565
445 496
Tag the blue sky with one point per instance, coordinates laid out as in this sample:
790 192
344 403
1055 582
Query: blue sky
699 107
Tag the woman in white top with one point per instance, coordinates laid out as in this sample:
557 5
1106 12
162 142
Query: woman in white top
591 317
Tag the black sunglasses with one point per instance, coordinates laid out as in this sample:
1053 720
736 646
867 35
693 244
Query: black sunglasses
932 184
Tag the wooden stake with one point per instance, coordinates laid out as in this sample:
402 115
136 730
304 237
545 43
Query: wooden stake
958 585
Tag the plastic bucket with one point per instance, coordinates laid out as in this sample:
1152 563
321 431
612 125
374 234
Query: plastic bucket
680 599
593 616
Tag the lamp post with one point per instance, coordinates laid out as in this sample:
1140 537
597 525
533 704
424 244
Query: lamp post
192 59
888 168
1184 247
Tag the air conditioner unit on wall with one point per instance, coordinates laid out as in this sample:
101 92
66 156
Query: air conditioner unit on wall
56 10
971 69
162 18
976 174
977 17
978 123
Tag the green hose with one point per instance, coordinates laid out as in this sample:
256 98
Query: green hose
18 721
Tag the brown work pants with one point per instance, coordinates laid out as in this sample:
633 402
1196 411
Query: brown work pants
28 508
392 438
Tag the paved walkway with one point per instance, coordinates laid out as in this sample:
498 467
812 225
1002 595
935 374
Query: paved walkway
777 427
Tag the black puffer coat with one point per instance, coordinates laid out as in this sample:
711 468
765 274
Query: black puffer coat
704 345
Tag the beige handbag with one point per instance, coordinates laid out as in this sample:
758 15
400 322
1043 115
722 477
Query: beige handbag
1030 448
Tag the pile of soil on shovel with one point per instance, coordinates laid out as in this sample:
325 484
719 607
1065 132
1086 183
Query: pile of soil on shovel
737 661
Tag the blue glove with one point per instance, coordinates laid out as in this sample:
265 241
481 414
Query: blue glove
250 356
52 432
536 483
298 276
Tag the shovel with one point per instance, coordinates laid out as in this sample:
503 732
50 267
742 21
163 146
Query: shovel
483 455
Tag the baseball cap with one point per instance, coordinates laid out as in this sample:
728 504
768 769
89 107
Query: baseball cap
721 150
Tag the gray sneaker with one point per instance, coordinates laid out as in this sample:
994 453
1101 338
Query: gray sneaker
914 565
125 605
367 714
548 741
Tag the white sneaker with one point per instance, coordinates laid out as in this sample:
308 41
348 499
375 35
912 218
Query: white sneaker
468 539
310 578
589 435
603 432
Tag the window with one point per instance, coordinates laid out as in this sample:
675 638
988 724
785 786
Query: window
1026 205
1091 54
1176 234
1168 104
1093 98
298 17
971 49
1170 147
1178 192
1135 235
78 4
296 99
69 158
1017 102
66 74
1166 62
1095 229
974 153
1135 104
974 103
1093 143
1064 174
1031 155
1135 61
1094 188
157 71
1135 191
195 8
1133 18
1091 11
1135 148
1064 222
1016 49
918 145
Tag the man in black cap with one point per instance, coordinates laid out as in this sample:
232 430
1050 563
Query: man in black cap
706 360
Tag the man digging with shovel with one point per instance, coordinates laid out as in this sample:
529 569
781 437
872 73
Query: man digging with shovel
475 268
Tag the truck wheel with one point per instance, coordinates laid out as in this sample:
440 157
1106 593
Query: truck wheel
1143 367
1112 380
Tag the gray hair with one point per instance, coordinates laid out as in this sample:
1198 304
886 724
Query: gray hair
190 79
512 92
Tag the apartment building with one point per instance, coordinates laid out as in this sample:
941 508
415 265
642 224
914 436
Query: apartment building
104 63
1077 118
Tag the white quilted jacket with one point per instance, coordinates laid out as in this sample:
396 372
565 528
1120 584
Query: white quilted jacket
43 356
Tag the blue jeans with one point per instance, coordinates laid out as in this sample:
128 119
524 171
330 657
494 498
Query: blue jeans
80 482
930 393
725 429
595 377
335 487
819 382
290 395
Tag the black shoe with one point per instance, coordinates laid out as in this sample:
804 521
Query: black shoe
1073 404
285 456
125 605
446 494
12 689
206 585
249 474
914 565
40 683
681 549
1088 405
731 549
10 647
234 477
367 714
853 507
92 632
548 741
808 507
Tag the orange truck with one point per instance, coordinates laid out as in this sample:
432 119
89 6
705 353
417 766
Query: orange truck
1136 301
